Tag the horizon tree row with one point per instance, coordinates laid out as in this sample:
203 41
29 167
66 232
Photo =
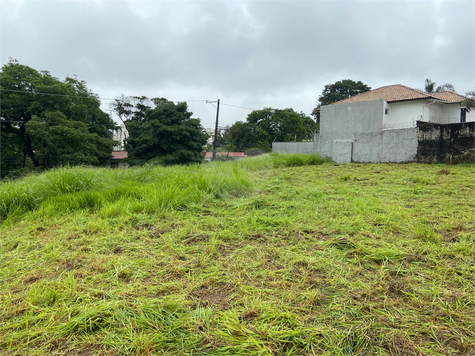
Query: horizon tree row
46 122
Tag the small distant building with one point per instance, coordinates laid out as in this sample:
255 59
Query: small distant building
117 160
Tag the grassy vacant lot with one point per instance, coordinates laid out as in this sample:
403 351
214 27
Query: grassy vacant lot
248 258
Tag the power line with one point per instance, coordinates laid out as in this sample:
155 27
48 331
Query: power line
236 106
51 94
86 97
100 98
88 124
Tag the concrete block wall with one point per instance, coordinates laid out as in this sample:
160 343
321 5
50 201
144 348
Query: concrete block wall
293 147
386 146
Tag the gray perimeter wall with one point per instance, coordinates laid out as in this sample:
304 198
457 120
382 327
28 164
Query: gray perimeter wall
293 147
386 146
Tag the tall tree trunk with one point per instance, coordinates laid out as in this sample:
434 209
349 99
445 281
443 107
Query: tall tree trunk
27 147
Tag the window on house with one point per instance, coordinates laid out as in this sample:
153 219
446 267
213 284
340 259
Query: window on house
463 114
386 111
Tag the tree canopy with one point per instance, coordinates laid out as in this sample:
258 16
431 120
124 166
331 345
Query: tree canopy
262 127
160 131
430 87
28 94
244 135
340 90
59 141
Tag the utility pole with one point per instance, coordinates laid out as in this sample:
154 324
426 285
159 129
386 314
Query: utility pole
216 132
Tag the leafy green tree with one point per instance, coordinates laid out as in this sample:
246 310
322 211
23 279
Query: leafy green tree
283 124
316 114
163 133
268 125
243 135
26 92
60 141
341 90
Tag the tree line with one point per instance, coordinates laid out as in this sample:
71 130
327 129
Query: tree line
62 125
46 122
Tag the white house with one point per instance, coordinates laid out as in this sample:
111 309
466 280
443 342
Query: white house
403 106
385 125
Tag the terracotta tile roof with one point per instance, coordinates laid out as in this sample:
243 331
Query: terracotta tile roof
449 96
398 92
231 154
119 154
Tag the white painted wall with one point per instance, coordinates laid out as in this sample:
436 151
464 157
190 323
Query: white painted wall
470 116
450 113
406 112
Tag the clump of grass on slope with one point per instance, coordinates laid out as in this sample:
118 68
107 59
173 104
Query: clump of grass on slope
279 160
20 196
144 189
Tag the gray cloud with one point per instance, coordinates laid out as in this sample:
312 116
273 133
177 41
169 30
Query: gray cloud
248 53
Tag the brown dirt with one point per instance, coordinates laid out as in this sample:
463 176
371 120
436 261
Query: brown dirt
212 295
248 315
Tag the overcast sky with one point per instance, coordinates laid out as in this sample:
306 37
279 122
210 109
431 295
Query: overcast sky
253 53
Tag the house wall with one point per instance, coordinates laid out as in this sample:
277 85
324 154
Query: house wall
404 113
119 164
450 113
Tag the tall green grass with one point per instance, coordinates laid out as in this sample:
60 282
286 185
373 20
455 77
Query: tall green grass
280 160
141 189
144 189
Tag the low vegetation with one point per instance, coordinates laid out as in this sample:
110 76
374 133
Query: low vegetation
271 255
